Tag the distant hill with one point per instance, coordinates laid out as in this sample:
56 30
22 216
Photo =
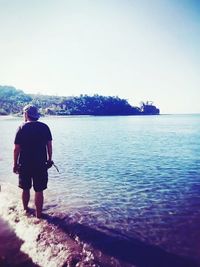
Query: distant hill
12 101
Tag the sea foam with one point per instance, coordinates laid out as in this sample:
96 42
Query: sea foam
44 242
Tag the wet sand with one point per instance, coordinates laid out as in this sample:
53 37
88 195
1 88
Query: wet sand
10 244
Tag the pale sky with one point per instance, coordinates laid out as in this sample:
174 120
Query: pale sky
136 49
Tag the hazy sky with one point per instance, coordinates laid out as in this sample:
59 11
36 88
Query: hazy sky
139 50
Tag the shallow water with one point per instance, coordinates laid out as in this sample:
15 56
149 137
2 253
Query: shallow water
128 182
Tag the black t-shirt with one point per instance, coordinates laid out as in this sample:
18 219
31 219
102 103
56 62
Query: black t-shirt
33 138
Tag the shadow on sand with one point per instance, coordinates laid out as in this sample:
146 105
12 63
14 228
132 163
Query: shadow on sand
132 251
10 244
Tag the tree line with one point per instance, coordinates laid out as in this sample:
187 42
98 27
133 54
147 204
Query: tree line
12 101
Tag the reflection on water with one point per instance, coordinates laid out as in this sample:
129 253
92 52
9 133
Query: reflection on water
131 177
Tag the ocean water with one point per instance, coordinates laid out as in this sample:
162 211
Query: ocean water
127 192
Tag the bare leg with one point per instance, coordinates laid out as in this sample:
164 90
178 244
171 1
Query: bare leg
39 199
25 198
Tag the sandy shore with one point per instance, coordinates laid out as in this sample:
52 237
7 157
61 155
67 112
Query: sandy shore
10 254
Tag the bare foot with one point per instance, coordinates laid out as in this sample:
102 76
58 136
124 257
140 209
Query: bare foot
39 215
27 210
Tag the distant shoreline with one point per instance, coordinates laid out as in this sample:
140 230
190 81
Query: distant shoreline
12 100
10 117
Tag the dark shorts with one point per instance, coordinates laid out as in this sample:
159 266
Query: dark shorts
38 177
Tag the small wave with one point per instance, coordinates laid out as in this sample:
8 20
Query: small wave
44 242
59 240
